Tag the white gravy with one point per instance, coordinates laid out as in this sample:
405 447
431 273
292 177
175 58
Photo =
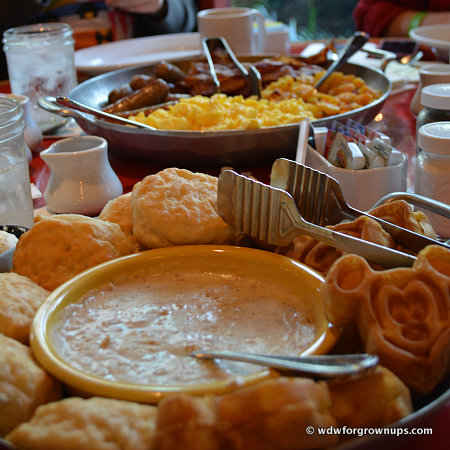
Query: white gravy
139 329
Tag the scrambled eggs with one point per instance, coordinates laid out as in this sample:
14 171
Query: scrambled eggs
284 101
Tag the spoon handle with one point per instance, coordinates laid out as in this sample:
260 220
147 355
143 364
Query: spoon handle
69 103
358 39
326 366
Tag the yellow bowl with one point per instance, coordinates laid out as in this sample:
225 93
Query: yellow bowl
230 263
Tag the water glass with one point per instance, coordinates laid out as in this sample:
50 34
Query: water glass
16 205
41 62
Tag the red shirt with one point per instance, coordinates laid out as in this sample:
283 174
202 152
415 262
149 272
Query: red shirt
373 16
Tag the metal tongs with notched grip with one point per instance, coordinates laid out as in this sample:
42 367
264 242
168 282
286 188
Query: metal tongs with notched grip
270 215
214 44
320 200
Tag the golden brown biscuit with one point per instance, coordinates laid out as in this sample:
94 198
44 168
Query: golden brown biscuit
96 423
188 422
274 414
59 247
375 399
402 314
119 211
271 415
23 385
178 207
20 298
7 241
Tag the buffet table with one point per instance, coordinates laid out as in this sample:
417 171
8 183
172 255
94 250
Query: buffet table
395 120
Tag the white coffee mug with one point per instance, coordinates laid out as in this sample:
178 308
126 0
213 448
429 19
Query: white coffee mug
237 26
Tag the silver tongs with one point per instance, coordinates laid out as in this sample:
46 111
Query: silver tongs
271 215
320 200
219 44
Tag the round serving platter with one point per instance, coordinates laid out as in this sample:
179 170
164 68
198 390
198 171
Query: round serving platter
212 148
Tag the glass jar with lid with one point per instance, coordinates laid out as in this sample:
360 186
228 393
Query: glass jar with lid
435 99
16 205
432 176
41 61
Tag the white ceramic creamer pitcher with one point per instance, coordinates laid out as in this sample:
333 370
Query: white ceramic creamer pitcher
81 181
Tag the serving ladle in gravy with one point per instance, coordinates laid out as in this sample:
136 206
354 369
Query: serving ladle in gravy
321 366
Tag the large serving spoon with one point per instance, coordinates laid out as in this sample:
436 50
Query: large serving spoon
354 44
49 104
323 366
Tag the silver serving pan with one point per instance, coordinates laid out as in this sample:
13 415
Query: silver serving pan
211 148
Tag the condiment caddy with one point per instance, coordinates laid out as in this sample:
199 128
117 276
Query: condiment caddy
362 160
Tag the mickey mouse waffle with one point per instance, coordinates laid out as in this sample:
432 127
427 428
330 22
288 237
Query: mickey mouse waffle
402 314
321 256
402 214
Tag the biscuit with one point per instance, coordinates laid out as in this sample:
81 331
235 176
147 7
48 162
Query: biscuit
23 385
7 241
271 415
376 398
188 422
275 414
96 423
402 314
59 247
20 298
178 207
118 210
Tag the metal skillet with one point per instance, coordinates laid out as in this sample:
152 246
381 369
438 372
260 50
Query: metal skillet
211 148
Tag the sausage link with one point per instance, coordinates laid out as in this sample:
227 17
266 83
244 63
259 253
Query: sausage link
139 81
118 93
151 94
169 72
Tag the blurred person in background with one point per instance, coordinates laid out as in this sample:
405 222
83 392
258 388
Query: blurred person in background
96 22
395 18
